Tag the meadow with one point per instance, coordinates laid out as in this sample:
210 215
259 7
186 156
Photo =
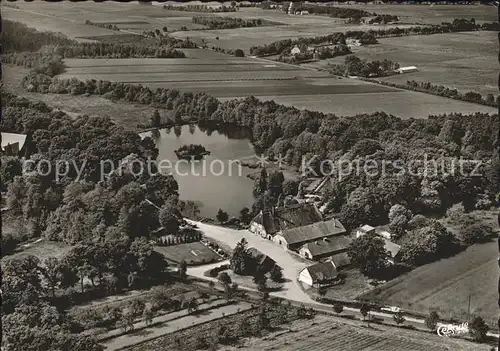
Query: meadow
464 61
445 286
245 38
69 17
267 80
433 14
404 104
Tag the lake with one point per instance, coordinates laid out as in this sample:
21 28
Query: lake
215 182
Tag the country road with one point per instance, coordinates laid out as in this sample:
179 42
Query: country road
290 264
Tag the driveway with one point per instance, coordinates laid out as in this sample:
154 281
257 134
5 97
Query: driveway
290 263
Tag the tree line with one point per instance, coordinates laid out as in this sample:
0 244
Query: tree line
332 11
441 90
285 45
227 22
320 53
200 8
103 25
355 66
370 37
383 19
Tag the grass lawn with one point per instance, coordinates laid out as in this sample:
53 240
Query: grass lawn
446 285
41 249
464 61
193 253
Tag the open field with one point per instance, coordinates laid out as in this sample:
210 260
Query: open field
69 17
327 334
404 104
268 80
432 14
192 253
126 115
464 61
445 286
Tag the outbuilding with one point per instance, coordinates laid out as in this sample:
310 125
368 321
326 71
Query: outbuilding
407 69
318 275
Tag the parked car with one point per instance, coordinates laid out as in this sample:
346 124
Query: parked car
391 309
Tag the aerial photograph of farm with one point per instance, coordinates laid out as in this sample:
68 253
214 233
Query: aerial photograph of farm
250 175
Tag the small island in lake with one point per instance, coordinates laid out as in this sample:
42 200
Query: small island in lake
191 151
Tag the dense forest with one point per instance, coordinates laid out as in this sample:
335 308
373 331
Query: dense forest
101 211
229 22
17 37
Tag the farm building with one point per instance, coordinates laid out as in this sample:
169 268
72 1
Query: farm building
407 69
12 144
391 247
264 262
353 42
318 275
295 50
339 260
269 222
369 229
309 240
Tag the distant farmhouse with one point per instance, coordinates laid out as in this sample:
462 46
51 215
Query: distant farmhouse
13 144
295 50
301 228
353 42
391 247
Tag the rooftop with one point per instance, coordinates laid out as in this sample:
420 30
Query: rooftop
298 215
391 247
322 271
12 138
325 246
341 259
259 256
313 231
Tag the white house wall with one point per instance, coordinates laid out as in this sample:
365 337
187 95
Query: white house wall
305 277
